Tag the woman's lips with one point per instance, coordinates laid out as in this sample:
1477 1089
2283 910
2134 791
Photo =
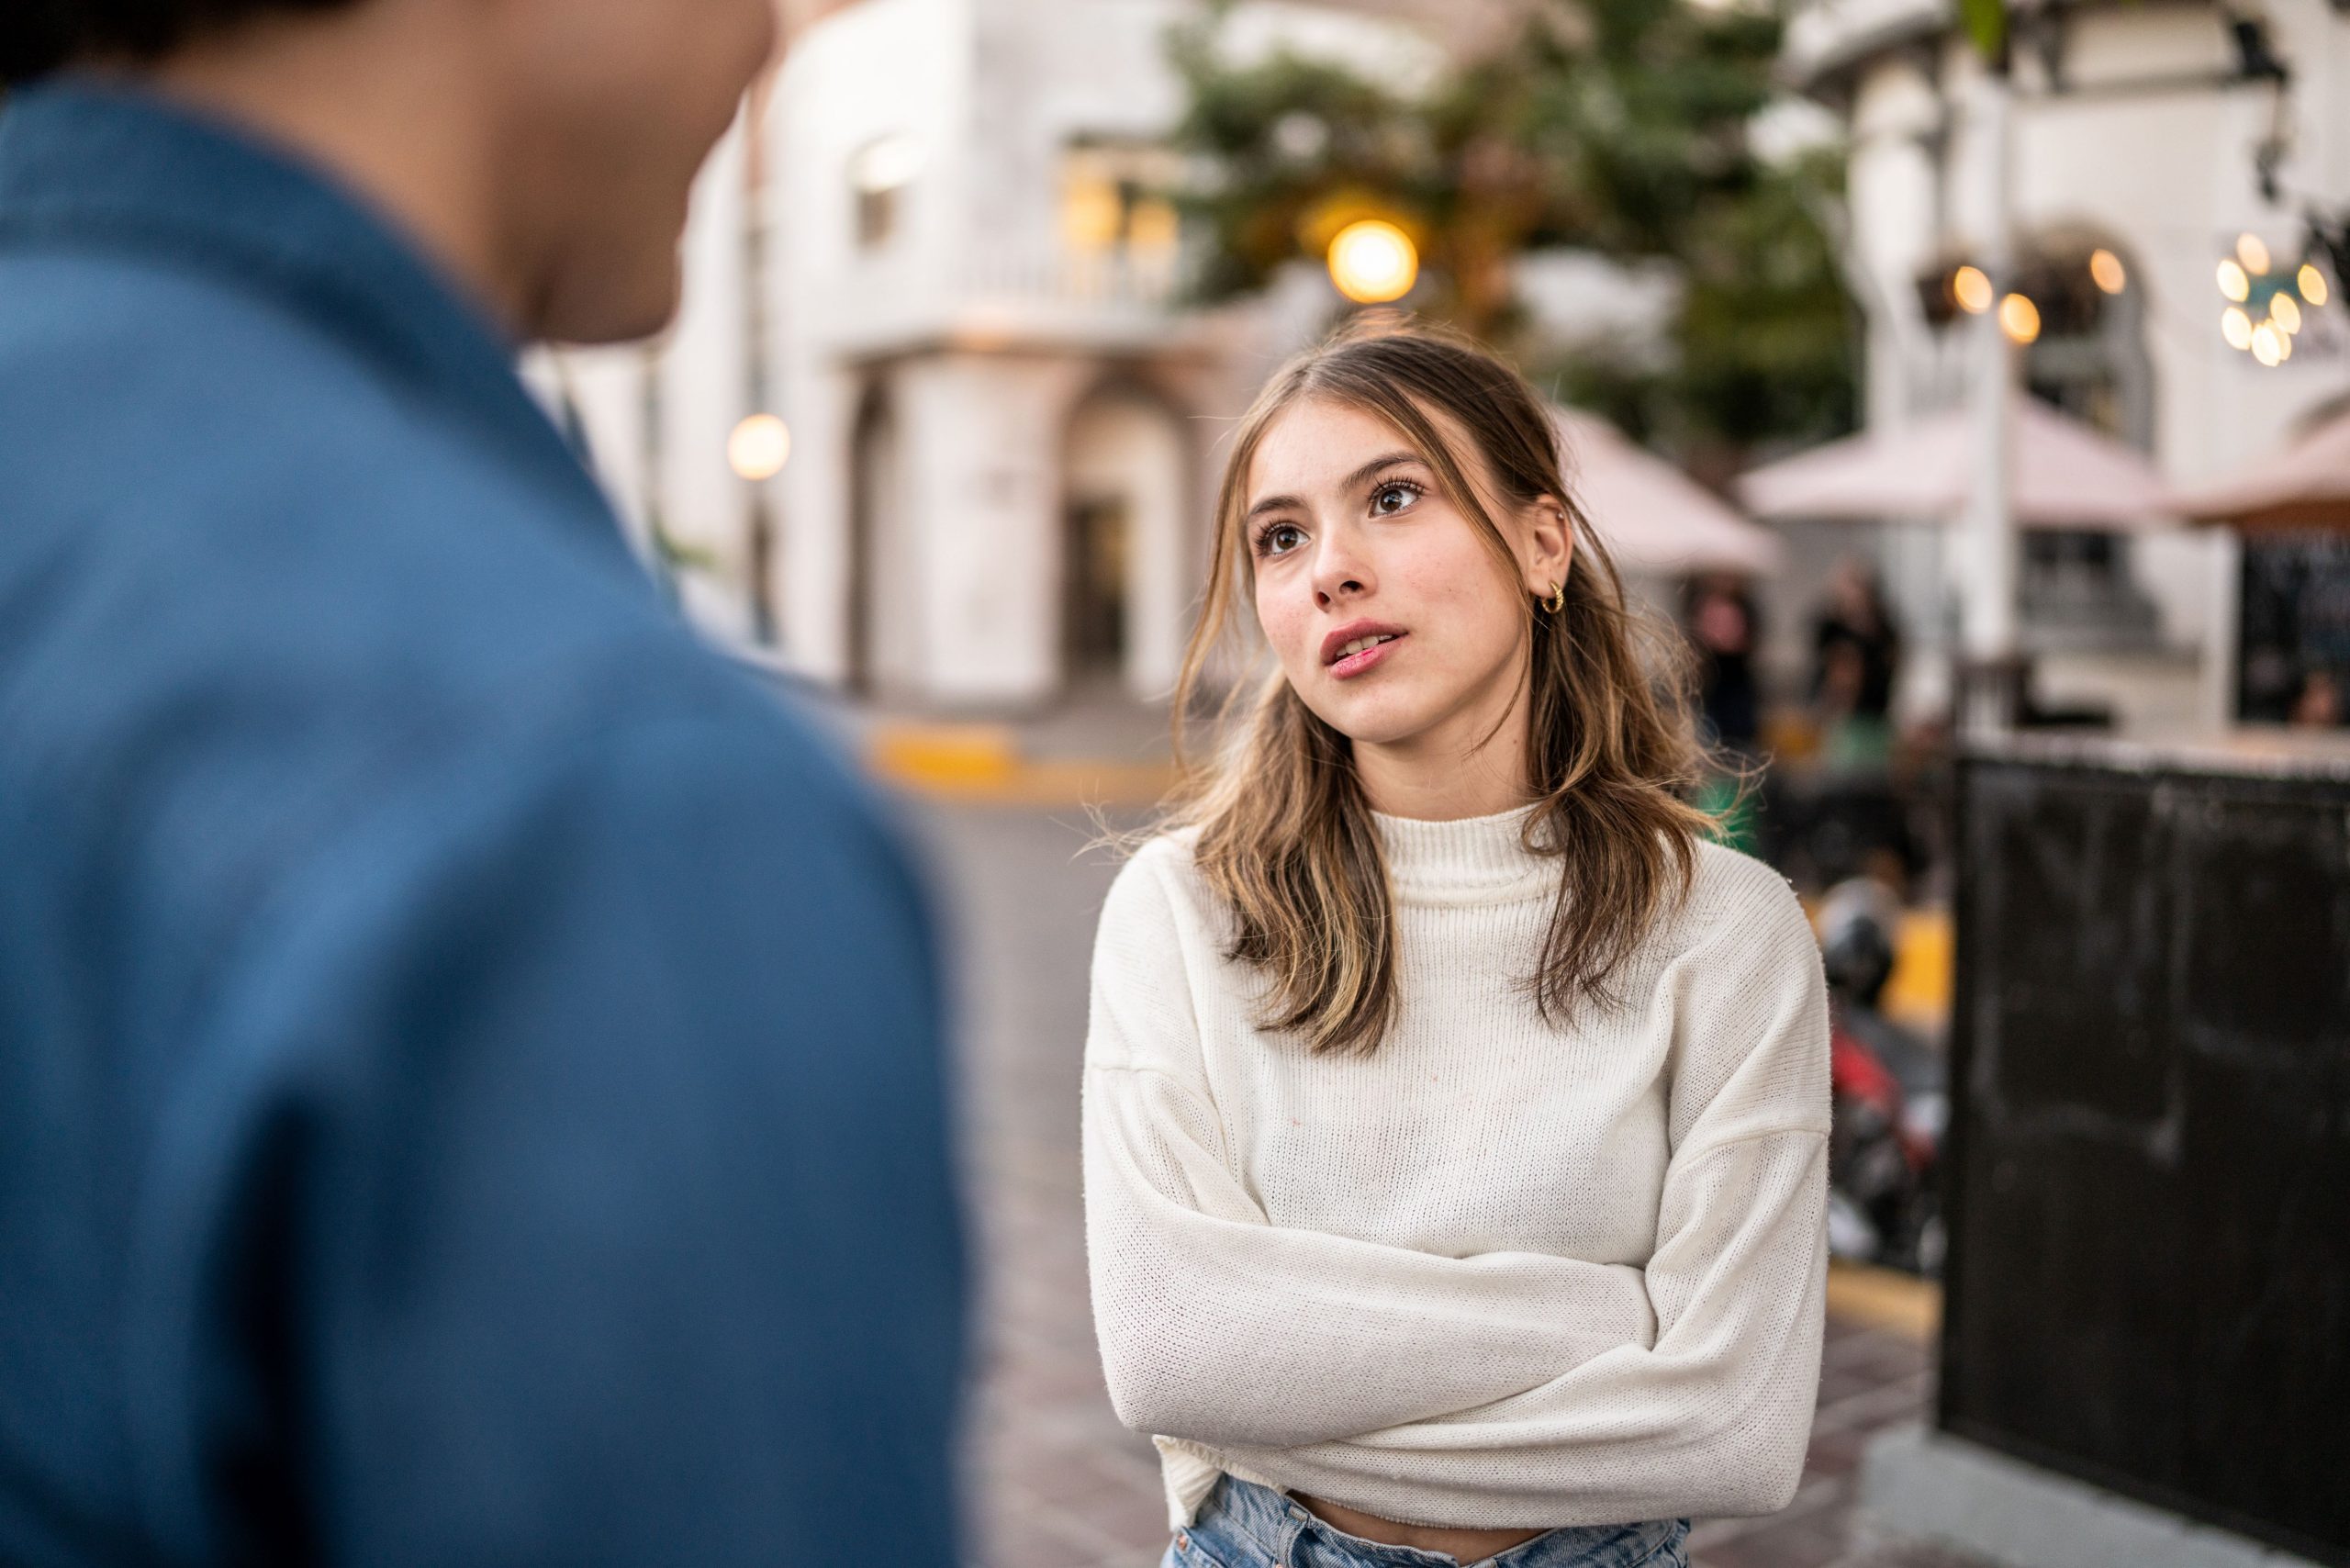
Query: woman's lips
1369 659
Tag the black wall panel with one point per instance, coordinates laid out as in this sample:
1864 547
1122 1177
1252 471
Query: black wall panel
2149 1281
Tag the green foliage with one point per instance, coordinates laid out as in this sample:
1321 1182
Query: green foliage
1619 127
1986 23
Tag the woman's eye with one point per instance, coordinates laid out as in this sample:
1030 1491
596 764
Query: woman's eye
1389 499
1281 538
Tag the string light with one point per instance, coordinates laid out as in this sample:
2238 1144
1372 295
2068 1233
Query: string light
2268 345
2107 272
2236 327
2312 282
2233 281
1971 286
2019 319
2252 252
2286 312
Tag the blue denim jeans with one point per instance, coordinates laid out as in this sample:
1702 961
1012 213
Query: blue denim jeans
1246 1526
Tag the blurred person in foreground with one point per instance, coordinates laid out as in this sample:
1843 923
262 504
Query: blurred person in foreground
1455 1114
469 1080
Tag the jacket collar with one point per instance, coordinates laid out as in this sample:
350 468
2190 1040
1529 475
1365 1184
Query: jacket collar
91 166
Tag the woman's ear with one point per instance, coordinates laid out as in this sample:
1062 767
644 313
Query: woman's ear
1551 541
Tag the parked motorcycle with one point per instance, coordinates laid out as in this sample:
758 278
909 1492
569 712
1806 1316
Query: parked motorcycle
1890 1093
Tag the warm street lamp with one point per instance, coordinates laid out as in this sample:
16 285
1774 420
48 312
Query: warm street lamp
759 448
1373 262
2019 319
1971 286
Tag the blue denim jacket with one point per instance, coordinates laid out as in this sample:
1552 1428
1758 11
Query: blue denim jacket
469 1061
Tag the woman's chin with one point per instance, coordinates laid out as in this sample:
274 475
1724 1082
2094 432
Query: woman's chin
1379 721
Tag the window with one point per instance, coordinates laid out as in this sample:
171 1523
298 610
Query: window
1115 198
878 174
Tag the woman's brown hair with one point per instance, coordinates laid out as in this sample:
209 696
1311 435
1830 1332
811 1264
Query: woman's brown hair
1285 835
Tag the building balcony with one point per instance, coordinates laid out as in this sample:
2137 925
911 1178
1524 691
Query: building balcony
1825 39
997 299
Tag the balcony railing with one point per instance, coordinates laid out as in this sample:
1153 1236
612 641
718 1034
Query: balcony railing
1000 293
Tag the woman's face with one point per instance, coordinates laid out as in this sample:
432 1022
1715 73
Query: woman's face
1382 600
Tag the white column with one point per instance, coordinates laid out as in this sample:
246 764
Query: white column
1986 554
704 389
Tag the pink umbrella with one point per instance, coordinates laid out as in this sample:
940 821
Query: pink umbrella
1655 519
2067 474
2305 484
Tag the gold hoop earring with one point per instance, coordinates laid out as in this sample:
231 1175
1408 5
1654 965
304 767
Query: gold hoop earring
1557 599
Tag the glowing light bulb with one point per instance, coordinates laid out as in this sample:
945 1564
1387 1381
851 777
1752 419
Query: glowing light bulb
2107 272
2286 312
1971 286
2019 319
759 447
2233 281
2312 282
2252 252
2236 327
2268 345
1373 262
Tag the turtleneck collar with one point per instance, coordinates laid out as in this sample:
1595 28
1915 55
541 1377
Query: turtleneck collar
1474 860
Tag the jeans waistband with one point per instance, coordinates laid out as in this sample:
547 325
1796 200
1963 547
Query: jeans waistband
1272 1529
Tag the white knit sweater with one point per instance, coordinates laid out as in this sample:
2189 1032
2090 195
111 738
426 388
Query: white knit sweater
1496 1273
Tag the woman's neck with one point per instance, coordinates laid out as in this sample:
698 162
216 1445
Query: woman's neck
1474 765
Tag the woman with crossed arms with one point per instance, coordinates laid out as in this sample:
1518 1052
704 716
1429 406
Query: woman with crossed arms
1456 1113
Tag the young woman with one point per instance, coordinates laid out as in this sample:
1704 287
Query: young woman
1455 1114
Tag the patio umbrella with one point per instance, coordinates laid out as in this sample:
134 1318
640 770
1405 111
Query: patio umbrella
1655 519
2067 476
2304 484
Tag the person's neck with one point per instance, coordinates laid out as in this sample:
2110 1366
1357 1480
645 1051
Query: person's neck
397 125
1470 765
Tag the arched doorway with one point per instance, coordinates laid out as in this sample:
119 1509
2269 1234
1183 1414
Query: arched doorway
1125 574
884 631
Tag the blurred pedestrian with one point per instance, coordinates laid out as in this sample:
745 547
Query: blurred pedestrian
1455 1114
469 1082
2318 704
1856 650
1725 628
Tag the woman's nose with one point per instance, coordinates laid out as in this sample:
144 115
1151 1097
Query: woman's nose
1338 574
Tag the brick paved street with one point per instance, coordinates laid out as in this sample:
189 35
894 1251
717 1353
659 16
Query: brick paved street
1056 1482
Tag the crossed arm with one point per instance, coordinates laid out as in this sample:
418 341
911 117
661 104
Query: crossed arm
1508 1389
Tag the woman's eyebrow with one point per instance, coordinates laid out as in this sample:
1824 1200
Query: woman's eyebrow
1378 466
1355 480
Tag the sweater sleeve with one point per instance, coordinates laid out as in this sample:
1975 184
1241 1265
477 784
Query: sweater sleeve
1197 1297
1713 1416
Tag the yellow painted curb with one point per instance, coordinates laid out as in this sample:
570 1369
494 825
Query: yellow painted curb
1884 1298
981 763
942 756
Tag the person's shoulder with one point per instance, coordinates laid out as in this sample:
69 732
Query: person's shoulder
1162 868
1159 893
1733 895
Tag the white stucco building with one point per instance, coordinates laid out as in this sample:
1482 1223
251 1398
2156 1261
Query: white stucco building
942 261
2154 131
